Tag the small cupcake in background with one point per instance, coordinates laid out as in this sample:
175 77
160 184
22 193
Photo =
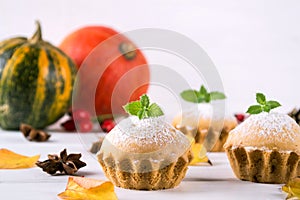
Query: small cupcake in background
265 147
206 125
295 114
143 152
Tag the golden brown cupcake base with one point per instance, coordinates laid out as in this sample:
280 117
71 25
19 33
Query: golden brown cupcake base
200 136
213 133
164 178
218 147
263 166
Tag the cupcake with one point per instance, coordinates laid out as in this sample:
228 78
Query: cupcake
144 152
207 126
265 147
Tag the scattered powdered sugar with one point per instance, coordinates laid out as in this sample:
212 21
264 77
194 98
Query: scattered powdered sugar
266 131
146 131
268 124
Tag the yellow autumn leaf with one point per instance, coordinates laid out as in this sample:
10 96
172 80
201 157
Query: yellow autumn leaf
11 160
199 153
87 188
292 188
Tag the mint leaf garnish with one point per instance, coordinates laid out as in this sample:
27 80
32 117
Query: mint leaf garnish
201 96
203 90
217 95
255 109
273 104
143 109
133 108
190 95
263 105
154 110
141 114
144 99
261 98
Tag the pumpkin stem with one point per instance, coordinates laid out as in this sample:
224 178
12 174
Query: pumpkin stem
37 36
128 50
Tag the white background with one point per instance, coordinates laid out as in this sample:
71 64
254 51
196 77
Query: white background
255 44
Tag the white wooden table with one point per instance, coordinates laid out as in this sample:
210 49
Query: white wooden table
205 182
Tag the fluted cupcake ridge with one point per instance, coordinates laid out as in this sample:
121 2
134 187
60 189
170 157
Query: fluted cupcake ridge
163 177
261 165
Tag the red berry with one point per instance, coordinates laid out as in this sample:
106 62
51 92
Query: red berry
107 125
69 125
85 126
81 115
240 117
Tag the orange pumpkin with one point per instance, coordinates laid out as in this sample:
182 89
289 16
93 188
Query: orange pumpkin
79 44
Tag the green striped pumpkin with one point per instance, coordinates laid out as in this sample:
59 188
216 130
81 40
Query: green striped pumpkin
36 81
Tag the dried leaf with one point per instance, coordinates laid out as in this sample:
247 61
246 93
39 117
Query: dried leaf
87 188
199 154
292 188
11 160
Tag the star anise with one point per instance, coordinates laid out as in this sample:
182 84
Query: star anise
65 164
295 114
32 134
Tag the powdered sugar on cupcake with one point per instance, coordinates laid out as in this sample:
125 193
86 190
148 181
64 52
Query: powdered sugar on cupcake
267 130
142 135
269 124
